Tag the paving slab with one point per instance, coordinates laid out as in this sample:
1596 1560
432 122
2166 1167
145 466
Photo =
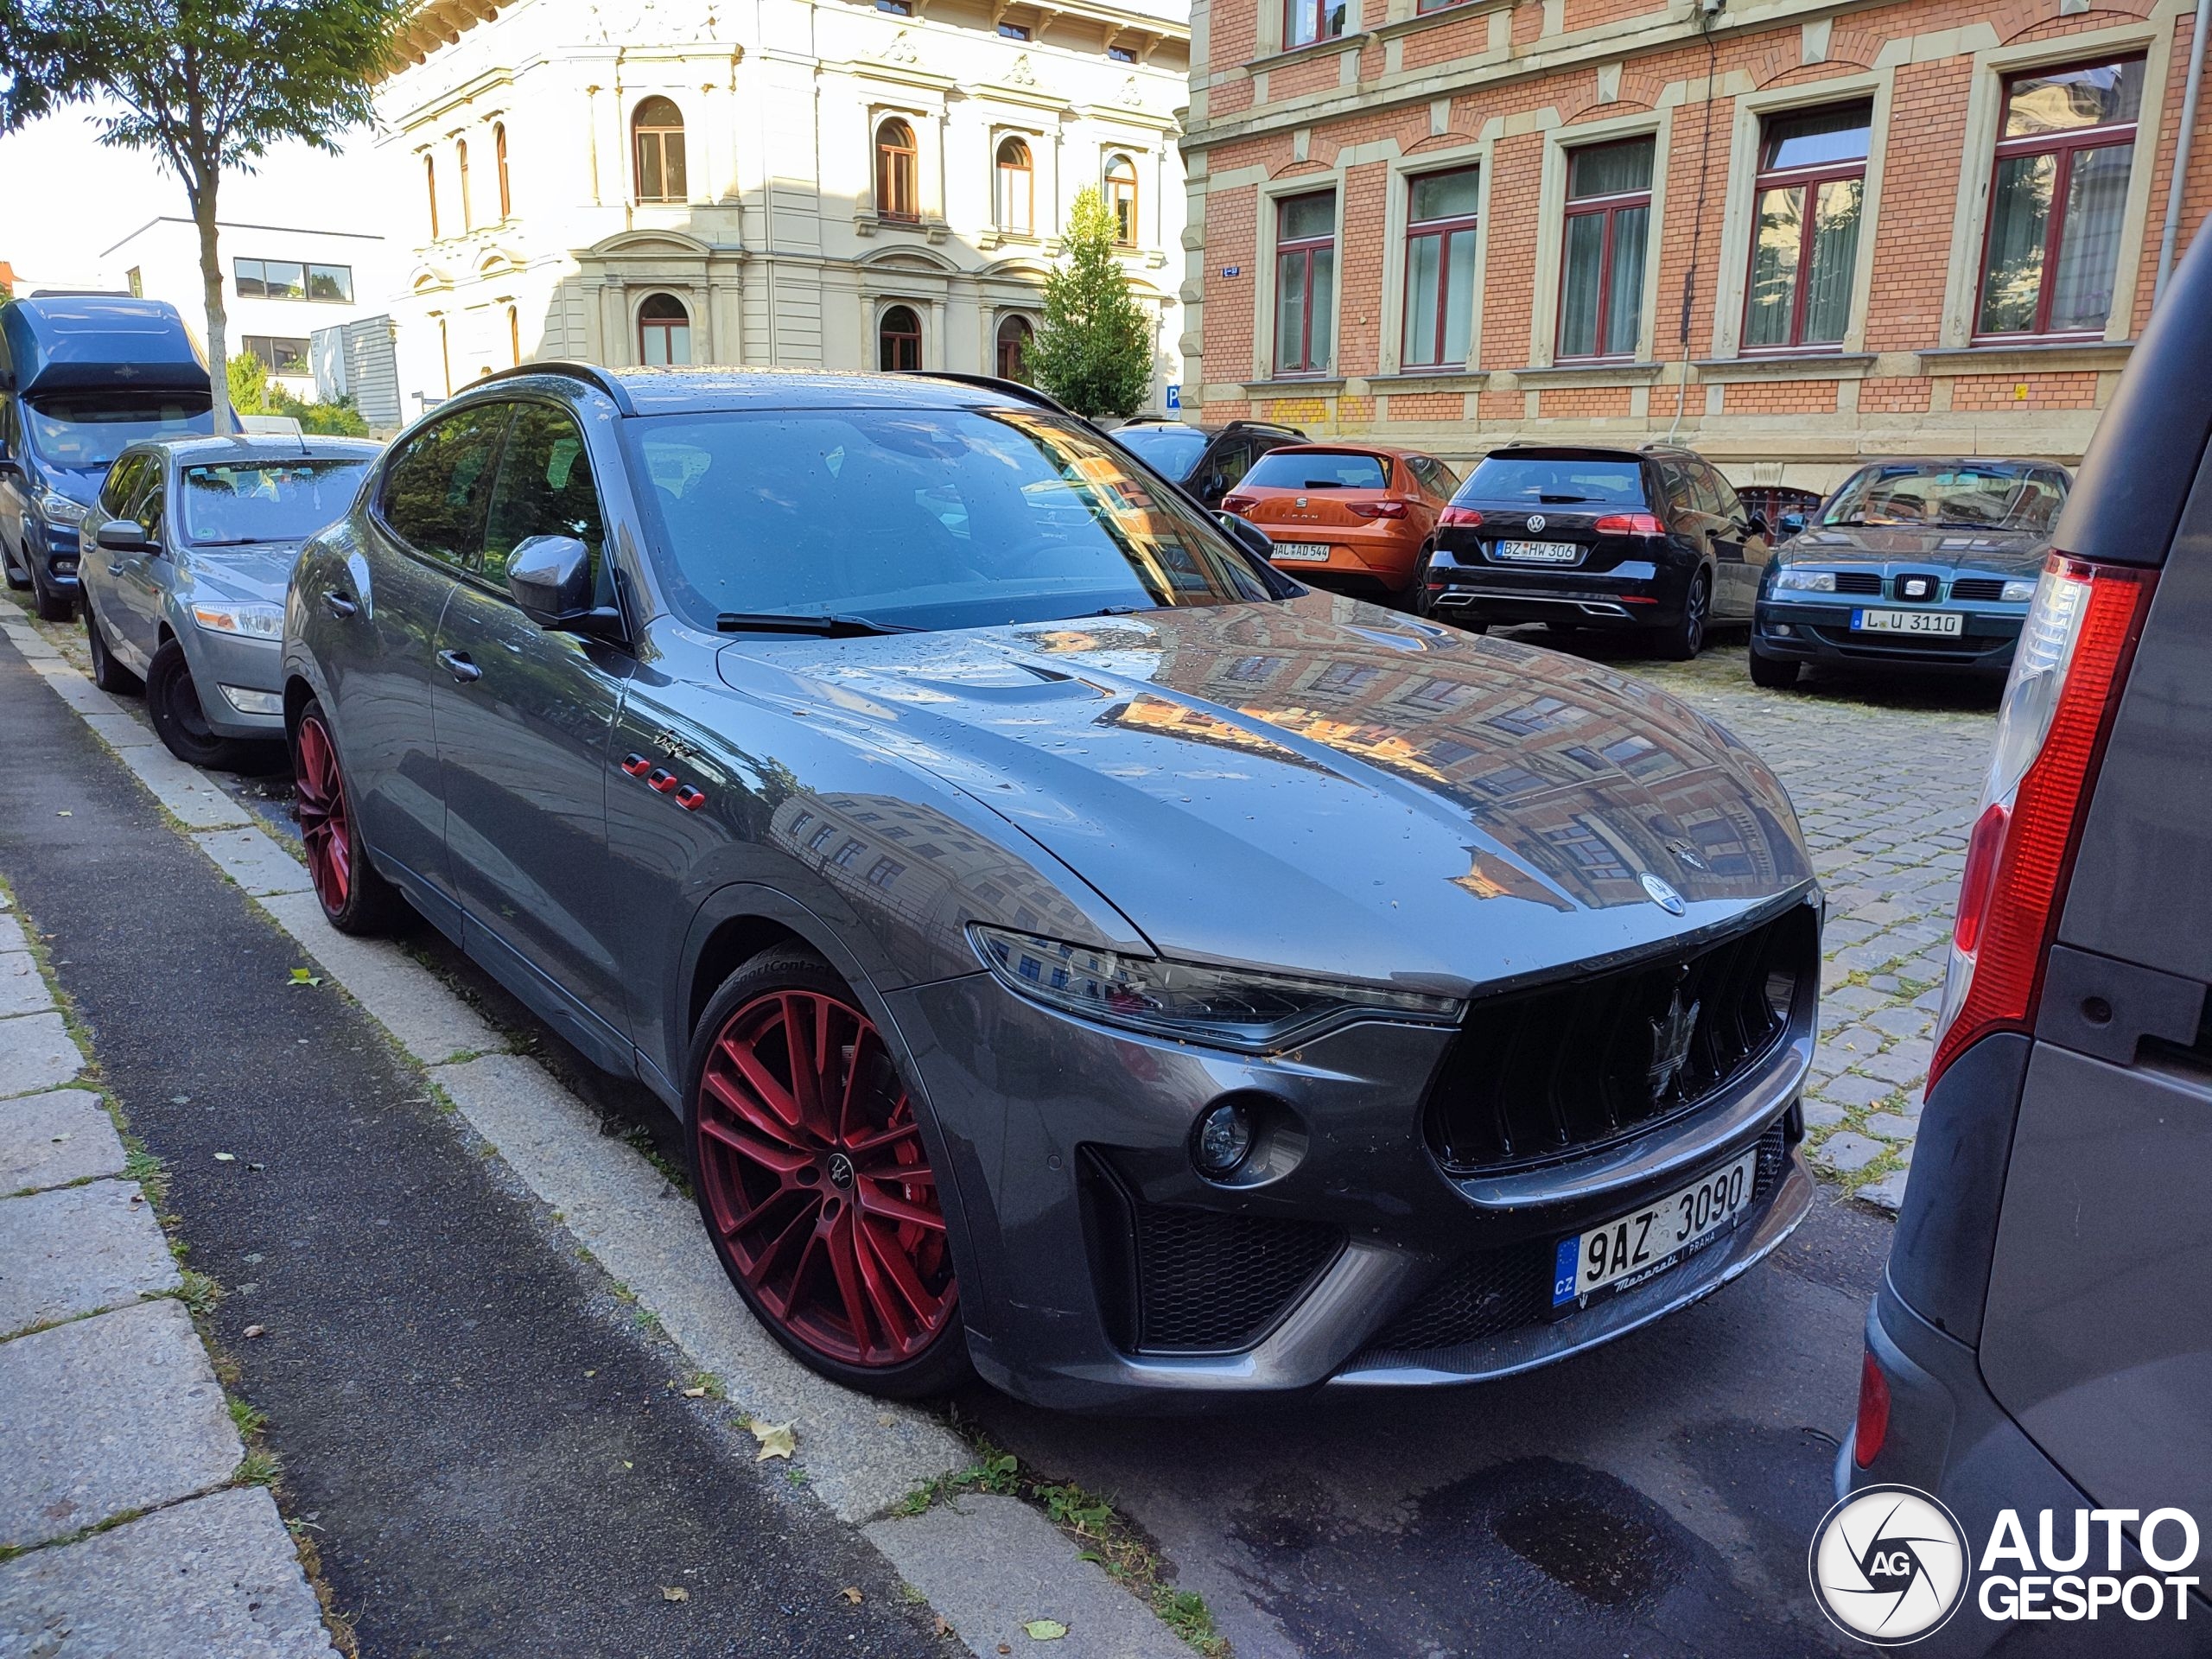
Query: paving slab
216 1578
106 1416
12 937
254 861
121 731
36 1052
53 1138
78 1250
1847 1153
426 1019
185 790
1036 1572
22 989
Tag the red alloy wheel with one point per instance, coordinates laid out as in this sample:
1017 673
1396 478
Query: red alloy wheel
815 1182
325 824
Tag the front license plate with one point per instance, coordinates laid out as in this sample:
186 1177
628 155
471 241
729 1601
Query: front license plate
1908 621
1538 552
1629 1249
1305 552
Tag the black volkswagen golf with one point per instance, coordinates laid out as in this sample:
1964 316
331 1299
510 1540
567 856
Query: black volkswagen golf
1651 539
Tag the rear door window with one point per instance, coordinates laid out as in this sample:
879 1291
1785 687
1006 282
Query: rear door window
545 489
1319 469
435 486
1726 504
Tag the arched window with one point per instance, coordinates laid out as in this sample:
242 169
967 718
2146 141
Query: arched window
1017 189
1015 335
1122 198
658 129
514 336
430 189
499 155
898 189
664 331
468 216
899 339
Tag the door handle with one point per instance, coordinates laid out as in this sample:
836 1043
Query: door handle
338 606
458 665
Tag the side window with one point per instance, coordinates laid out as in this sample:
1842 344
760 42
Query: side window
1675 480
122 481
7 424
434 489
545 489
1233 461
148 495
1729 505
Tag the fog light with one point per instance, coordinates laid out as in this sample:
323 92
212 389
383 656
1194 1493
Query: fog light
254 702
66 566
1782 630
1224 1138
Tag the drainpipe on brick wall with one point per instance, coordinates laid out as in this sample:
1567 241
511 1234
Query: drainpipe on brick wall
2172 230
1707 11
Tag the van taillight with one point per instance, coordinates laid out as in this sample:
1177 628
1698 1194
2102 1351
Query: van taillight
1873 1425
2073 658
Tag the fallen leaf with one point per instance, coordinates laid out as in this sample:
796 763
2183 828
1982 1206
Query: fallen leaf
674 1593
943 1625
1045 1630
137 1197
255 1331
626 1463
256 1166
695 1394
591 1373
227 1158
1004 1649
58 1139
65 813
777 1440
301 976
851 1593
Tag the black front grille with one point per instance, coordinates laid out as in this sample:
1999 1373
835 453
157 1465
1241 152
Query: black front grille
1858 581
1491 1291
1562 1070
1213 1283
1978 589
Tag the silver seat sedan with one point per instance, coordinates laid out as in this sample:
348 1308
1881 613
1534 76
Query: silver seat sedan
183 563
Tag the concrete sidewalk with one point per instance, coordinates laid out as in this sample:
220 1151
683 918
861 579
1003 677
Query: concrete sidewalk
123 1529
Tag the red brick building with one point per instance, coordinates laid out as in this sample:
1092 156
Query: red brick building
1795 234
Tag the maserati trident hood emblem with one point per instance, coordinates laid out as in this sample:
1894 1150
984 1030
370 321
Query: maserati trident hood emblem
1663 895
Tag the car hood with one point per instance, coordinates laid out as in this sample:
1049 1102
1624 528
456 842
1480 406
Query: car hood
1319 785
80 483
262 571
2010 553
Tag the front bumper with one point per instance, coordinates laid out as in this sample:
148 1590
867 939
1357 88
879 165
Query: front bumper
240 680
54 549
1068 1141
1797 631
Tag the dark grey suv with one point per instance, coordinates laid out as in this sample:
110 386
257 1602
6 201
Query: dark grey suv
1069 942
2043 1339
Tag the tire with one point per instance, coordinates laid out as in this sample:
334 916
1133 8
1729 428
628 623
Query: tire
868 1296
1774 673
179 720
108 674
355 899
1681 640
52 606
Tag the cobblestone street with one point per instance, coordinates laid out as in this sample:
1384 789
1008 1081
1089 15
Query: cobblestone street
1885 779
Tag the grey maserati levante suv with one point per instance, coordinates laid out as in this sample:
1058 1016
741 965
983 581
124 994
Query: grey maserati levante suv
1075 951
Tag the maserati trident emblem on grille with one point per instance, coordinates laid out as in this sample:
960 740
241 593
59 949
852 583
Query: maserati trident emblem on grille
1663 895
1536 521
1671 1047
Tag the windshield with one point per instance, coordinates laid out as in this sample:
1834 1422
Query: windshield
266 501
1173 449
84 433
1967 498
936 518
1554 479
1318 469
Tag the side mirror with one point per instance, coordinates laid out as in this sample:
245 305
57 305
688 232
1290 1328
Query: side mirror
9 468
549 578
123 536
1757 526
1247 535
1793 524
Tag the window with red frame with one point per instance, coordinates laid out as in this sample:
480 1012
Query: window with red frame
657 131
1306 282
1122 198
2056 195
899 339
499 155
1013 337
1812 189
1017 188
1440 269
1307 21
1601 272
898 189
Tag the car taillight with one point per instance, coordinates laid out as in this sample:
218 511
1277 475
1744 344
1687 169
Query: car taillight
1631 523
2067 674
1378 509
1874 1412
1466 517
1236 503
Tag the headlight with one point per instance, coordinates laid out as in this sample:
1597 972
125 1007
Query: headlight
1222 1007
256 621
59 509
2019 593
1806 582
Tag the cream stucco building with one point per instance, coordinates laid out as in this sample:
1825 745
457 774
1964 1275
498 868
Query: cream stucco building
845 183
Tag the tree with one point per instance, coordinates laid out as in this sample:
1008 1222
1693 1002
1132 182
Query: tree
207 86
253 393
1094 352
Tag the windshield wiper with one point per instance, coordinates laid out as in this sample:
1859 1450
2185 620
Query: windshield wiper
832 627
1559 501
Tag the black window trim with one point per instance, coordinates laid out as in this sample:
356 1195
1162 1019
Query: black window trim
474 573
506 401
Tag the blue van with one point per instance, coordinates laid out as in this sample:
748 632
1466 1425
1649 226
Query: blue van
81 376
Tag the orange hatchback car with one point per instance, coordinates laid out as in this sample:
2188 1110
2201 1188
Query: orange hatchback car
1347 516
